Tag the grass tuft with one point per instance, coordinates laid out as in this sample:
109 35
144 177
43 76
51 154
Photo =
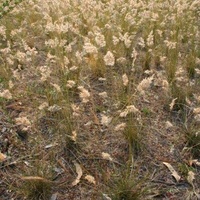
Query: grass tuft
132 134
193 141
127 186
37 182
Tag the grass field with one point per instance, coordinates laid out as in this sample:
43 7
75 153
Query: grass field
99 99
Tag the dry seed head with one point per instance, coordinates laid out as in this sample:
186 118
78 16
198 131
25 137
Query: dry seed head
115 40
120 127
10 84
56 86
103 94
73 68
150 39
100 40
45 72
90 48
196 111
84 94
145 84
22 121
171 105
125 79
106 156
76 110
129 109
170 44
70 83
105 120
6 94
121 60
141 42
90 179
54 108
43 105
109 59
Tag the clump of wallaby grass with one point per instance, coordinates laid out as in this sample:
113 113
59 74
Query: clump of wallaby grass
36 188
192 134
60 127
5 71
126 185
96 65
171 72
146 62
132 134
180 94
36 182
121 93
53 48
2 102
183 168
191 65
171 65
146 111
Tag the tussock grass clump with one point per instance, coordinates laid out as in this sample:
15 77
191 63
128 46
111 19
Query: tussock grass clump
36 188
36 183
192 134
127 185
191 65
75 68
180 94
133 135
